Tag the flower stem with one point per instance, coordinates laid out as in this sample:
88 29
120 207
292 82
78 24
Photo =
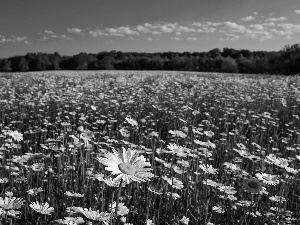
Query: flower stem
117 201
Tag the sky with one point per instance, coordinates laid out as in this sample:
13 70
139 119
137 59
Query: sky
73 26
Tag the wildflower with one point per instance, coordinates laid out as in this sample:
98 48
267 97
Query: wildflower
232 197
268 178
93 215
175 149
175 183
155 190
11 203
127 166
37 167
112 182
230 166
131 121
71 220
149 222
227 189
252 185
76 195
208 169
218 209
3 180
185 220
86 135
34 191
122 209
277 198
210 183
209 134
178 133
16 135
42 208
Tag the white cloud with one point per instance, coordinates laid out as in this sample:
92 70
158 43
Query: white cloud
48 32
297 11
143 29
226 31
248 18
276 19
74 30
255 13
13 39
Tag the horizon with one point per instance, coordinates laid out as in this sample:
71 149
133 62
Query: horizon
70 27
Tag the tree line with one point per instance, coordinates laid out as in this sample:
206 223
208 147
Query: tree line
228 60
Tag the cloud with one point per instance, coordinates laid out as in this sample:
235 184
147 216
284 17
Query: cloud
48 32
297 11
230 37
276 19
51 35
13 39
248 18
188 31
74 30
119 31
191 39
289 28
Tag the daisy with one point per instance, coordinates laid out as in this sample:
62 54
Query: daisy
185 220
93 215
252 185
131 121
176 149
208 169
227 189
122 209
112 182
71 221
267 178
42 208
10 203
127 165
277 198
16 135
76 195
175 183
34 191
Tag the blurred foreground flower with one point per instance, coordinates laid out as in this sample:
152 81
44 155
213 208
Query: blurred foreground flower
42 208
252 185
127 165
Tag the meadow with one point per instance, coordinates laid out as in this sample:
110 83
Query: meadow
153 148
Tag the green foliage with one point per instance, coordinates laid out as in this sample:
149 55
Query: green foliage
228 60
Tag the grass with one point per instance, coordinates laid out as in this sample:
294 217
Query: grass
206 148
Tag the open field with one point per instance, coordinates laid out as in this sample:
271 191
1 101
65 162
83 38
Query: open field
160 147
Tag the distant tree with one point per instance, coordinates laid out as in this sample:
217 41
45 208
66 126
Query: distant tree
5 65
107 63
19 63
229 65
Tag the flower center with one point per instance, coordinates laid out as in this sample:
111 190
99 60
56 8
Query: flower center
253 184
126 168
